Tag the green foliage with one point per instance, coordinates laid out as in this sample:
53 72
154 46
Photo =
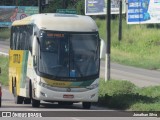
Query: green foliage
53 6
139 46
125 95
4 68
154 95
4 33
65 4
80 7
115 87
18 2
116 94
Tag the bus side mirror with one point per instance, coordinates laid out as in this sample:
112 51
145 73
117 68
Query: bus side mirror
35 46
102 49
0 70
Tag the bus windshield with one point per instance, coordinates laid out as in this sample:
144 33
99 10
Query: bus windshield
69 55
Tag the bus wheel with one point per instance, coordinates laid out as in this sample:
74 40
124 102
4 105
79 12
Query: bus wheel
17 99
86 105
35 103
27 101
12 87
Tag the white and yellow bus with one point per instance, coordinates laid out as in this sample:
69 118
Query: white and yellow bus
54 58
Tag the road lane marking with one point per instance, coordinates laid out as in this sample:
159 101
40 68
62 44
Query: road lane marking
75 118
6 54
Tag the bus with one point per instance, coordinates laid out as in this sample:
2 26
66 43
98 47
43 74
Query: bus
54 58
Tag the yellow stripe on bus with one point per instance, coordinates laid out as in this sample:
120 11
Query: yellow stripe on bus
57 83
15 67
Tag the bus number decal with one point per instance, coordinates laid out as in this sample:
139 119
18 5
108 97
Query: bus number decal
16 58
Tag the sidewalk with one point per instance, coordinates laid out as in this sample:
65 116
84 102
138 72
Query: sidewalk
4 41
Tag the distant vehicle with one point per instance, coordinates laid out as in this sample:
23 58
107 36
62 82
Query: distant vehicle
54 58
0 91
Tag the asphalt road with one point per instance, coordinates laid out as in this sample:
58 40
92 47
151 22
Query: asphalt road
138 76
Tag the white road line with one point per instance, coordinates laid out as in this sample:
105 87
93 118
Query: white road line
75 119
2 53
31 109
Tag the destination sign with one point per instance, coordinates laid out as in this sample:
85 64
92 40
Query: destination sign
55 35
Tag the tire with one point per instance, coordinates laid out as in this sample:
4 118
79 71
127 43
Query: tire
17 99
27 101
35 103
86 105
12 87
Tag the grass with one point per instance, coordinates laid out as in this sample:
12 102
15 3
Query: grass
4 69
139 46
125 95
4 33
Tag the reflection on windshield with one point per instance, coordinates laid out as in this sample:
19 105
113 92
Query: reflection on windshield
84 54
71 55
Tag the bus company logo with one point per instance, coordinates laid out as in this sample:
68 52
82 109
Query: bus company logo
20 114
68 90
6 114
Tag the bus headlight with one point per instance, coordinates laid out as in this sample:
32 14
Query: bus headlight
93 86
43 84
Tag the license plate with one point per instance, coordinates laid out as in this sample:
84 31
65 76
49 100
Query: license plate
68 96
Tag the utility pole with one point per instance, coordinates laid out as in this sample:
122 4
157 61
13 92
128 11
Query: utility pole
120 21
39 5
64 4
16 2
108 45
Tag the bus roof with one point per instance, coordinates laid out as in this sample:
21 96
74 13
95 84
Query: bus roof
60 22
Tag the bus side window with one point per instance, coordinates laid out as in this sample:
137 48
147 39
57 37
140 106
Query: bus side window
13 38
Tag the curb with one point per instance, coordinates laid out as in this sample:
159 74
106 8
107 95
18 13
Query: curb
5 54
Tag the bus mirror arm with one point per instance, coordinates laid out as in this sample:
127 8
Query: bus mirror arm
35 46
34 60
102 49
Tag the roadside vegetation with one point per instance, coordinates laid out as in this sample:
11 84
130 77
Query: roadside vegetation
124 95
4 70
140 44
4 33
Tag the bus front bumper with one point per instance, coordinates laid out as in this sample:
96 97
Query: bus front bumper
42 93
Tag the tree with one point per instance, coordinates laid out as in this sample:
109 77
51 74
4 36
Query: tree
53 6
18 2
78 5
